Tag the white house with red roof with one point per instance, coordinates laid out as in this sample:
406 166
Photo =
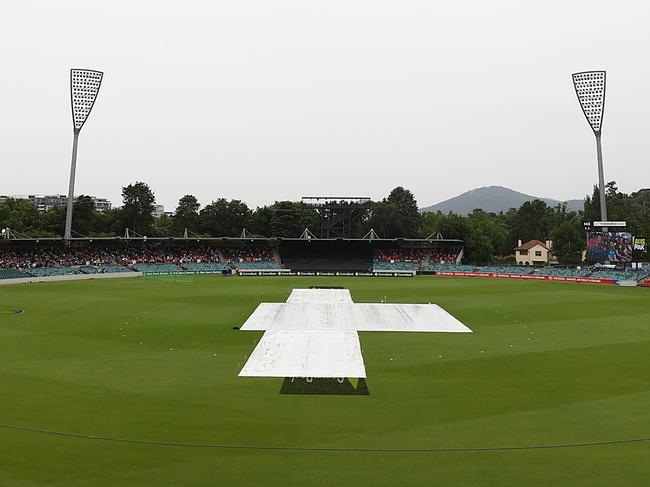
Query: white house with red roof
533 252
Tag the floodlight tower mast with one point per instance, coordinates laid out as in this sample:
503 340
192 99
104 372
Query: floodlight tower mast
590 89
84 87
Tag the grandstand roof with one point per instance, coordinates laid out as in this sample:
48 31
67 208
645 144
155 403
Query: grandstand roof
228 239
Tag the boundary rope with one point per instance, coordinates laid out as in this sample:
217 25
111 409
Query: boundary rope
323 449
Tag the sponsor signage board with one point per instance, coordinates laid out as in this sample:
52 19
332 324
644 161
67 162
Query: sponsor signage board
611 224
286 272
528 277
638 244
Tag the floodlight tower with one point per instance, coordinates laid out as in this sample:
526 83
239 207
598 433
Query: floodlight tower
84 87
590 88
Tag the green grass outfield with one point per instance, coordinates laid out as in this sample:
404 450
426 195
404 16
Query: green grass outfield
549 364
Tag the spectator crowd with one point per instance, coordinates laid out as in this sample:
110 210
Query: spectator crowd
236 256
440 257
32 258
396 255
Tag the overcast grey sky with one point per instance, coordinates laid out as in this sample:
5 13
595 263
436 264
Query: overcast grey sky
274 99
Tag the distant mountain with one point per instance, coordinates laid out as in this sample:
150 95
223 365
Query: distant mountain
493 199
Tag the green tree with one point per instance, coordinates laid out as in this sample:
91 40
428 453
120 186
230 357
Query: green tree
138 206
223 218
531 221
162 226
21 216
431 223
407 209
290 218
52 221
618 207
396 215
640 206
260 221
452 226
186 215
386 220
568 241
109 223
84 215
633 209
487 237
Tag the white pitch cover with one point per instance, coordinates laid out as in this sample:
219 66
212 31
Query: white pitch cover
353 317
301 353
314 334
320 296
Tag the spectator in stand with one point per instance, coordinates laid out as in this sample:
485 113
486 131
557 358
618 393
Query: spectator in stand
59 257
249 254
400 255
440 257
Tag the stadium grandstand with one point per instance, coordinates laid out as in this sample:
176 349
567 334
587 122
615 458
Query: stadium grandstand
39 258
51 257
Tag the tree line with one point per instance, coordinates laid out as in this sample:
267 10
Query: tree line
487 236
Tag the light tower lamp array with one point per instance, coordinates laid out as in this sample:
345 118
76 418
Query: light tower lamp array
84 87
590 89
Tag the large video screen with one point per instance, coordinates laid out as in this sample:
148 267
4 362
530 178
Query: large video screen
612 247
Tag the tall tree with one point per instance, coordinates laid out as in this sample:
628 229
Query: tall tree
52 221
450 226
109 223
431 223
260 221
186 215
396 215
223 218
407 209
162 226
568 241
21 216
138 207
386 220
532 221
290 218
487 237
84 215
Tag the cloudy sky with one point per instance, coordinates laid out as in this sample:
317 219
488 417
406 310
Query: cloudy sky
276 99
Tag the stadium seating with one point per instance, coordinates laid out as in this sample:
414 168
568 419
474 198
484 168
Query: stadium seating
204 266
157 268
331 255
398 259
440 256
620 275
110 268
562 272
12 274
451 268
52 271
504 269
396 266
256 258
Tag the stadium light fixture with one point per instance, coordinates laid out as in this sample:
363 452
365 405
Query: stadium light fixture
590 89
84 87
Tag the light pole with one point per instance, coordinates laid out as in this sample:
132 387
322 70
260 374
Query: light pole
84 86
590 88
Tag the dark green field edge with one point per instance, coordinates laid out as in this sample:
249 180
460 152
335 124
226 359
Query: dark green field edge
325 449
